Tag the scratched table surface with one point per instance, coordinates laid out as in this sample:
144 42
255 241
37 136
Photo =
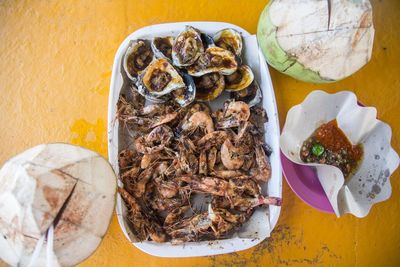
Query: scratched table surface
55 69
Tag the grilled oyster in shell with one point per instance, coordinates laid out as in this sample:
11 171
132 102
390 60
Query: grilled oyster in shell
187 47
214 59
240 79
162 47
229 39
137 57
209 86
160 78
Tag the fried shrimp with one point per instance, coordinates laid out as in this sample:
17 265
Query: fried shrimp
231 156
235 112
179 153
199 120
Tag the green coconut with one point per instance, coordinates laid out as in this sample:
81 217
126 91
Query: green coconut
316 41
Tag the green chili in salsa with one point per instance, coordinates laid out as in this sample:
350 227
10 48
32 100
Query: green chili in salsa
329 145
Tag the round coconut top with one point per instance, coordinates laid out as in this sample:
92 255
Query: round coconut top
63 185
317 41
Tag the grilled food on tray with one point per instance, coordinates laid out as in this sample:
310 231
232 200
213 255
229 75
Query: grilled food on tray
177 147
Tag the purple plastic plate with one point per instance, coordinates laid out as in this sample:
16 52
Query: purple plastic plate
305 184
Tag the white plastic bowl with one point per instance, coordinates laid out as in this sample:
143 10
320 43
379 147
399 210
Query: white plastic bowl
263 220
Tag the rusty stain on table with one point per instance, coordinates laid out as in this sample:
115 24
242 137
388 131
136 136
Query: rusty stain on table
56 58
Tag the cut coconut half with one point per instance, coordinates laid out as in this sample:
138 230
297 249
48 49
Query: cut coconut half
54 184
72 241
317 40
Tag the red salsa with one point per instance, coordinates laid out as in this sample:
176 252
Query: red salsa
329 145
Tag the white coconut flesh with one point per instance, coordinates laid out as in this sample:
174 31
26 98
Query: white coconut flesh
332 38
59 184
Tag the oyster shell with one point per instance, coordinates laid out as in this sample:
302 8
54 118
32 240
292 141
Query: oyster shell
160 78
209 86
187 47
252 95
229 39
214 59
240 79
162 47
148 96
137 57
207 40
184 96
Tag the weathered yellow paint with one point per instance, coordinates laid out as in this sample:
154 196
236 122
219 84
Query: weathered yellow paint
55 62
90 135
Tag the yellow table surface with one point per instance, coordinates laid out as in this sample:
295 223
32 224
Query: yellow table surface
55 69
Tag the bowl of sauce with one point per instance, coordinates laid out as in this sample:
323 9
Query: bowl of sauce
329 145
336 155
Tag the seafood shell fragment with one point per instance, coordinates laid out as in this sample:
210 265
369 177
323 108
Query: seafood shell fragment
209 86
161 78
240 79
162 47
214 59
187 47
229 39
137 57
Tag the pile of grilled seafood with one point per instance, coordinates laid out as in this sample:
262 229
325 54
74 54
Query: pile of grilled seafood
179 152
191 66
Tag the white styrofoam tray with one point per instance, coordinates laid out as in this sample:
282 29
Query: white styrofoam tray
263 220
